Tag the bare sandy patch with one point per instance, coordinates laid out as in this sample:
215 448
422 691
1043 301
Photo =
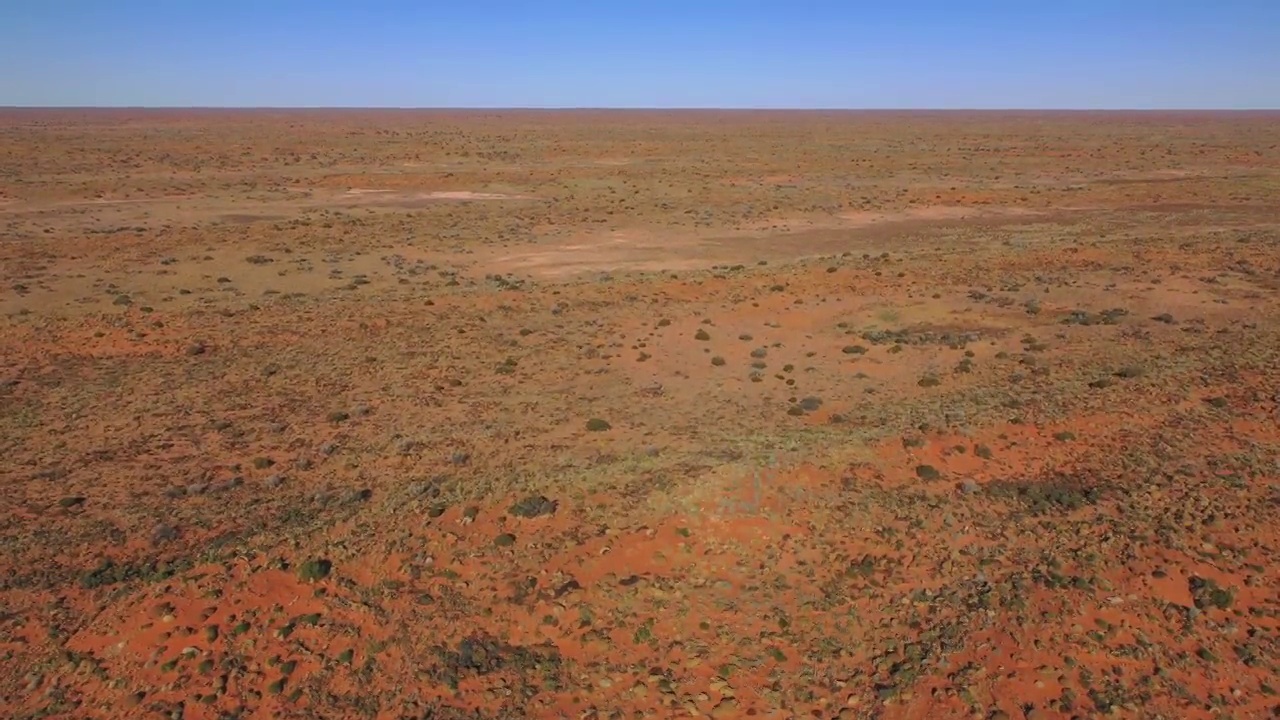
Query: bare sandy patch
468 195
921 216
397 196
933 212
619 251
642 250
130 201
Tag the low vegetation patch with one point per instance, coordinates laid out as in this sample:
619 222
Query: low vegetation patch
1047 495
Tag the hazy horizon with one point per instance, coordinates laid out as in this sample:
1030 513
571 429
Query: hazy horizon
641 109
664 55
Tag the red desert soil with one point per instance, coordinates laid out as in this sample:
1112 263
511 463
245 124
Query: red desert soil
644 414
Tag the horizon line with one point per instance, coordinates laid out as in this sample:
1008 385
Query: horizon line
640 108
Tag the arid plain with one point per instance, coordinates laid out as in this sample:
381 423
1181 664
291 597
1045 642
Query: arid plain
407 414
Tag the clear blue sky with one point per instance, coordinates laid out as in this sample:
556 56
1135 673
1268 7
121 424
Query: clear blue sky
632 53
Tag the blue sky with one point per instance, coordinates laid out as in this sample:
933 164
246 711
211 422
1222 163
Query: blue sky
603 53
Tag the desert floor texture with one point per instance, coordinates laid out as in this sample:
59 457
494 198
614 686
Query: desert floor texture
393 414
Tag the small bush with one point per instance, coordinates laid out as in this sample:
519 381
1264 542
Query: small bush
533 506
1206 593
927 472
1129 372
313 570
1054 494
